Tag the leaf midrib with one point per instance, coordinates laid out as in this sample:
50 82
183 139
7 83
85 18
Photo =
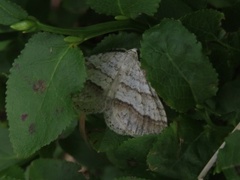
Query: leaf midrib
180 72
51 80
120 7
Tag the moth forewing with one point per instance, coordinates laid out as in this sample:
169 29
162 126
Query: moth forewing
90 100
135 107
118 85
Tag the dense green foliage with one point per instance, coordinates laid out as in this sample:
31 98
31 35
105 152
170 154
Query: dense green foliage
190 51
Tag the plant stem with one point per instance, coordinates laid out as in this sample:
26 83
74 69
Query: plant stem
213 159
88 32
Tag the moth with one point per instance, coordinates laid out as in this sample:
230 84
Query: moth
117 87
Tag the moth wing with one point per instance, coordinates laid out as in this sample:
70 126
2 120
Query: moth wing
135 108
102 69
90 100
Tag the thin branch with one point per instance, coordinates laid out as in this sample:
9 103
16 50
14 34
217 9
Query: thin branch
213 159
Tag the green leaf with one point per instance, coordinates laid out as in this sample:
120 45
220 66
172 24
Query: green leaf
22 3
232 45
176 65
165 152
232 174
107 140
225 56
199 4
39 105
7 156
82 152
101 138
233 40
229 157
2 94
116 41
180 151
50 169
8 178
129 178
222 59
13 172
231 23
229 97
222 3
75 6
111 172
180 9
131 155
197 155
11 13
204 30
40 9
127 8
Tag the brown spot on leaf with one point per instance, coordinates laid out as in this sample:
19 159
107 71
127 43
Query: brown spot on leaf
24 117
32 128
39 86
